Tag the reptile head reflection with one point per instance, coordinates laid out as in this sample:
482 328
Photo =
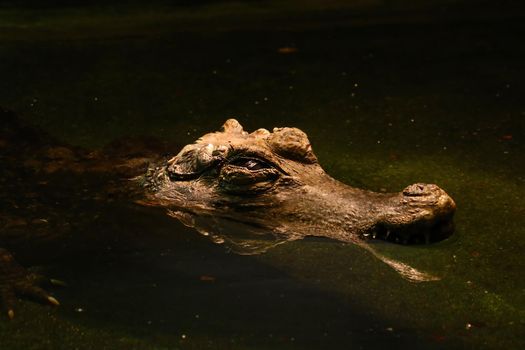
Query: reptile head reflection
273 181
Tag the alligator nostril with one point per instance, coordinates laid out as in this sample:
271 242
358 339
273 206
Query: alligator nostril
418 189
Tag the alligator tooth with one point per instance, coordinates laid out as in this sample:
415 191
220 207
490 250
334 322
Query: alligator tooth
387 234
374 235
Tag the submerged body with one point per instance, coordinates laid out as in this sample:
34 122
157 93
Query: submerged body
57 201
248 190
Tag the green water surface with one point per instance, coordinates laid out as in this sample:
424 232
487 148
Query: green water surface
388 96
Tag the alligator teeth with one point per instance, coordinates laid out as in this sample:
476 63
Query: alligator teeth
387 234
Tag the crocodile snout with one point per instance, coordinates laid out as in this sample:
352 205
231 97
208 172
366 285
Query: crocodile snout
421 213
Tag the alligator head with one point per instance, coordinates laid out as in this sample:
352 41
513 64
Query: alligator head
232 184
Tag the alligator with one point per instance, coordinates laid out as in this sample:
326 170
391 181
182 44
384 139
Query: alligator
249 191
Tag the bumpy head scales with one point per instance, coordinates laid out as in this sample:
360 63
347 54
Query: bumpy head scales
272 181
210 149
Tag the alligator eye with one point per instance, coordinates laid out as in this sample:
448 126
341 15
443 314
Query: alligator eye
250 164
245 175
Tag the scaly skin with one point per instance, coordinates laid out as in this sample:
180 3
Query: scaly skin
226 182
273 181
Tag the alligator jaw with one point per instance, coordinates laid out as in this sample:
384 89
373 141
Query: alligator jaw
420 214
416 233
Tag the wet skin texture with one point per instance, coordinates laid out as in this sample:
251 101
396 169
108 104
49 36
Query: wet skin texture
273 180
229 181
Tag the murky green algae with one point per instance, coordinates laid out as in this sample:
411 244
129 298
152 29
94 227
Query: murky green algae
480 294
384 106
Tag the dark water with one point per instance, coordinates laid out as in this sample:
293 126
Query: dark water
388 96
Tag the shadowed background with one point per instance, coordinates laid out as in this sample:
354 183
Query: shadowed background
390 93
